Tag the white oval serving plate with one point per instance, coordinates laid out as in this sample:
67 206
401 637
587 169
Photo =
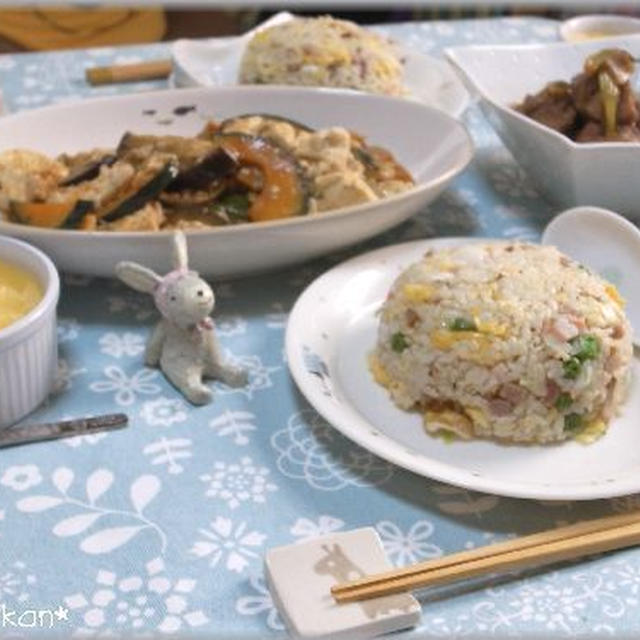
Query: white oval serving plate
331 330
432 145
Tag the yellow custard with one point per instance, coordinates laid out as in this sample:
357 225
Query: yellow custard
20 292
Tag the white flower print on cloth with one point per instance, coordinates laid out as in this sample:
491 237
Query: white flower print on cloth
509 179
311 450
63 380
15 583
67 329
76 280
567 603
139 307
457 501
259 604
226 543
304 529
7 62
403 549
520 232
89 516
118 345
230 326
124 388
135 605
238 482
277 319
260 375
163 412
236 424
21 477
89 439
168 451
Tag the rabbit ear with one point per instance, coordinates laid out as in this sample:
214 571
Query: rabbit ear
137 276
180 256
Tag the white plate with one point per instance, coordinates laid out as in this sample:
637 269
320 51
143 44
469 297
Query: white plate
602 174
216 62
332 328
433 146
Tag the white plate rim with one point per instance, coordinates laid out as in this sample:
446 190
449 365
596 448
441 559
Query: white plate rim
370 438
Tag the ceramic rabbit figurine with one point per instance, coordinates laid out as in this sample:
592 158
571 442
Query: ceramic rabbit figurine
183 343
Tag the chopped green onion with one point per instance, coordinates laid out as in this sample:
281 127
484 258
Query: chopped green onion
571 368
399 342
447 436
609 99
563 402
235 205
572 421
462 324
586 347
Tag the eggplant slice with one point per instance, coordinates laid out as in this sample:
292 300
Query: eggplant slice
88 171
147 186
212 168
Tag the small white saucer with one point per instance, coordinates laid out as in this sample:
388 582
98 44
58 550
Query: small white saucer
605 242
598 26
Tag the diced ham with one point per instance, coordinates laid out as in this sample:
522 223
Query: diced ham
617 332
552 391
562 328
412 318
512 393
500 407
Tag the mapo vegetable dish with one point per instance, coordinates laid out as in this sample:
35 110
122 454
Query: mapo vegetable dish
598 105
249 168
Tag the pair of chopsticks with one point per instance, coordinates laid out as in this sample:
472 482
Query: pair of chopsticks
139 72
557 545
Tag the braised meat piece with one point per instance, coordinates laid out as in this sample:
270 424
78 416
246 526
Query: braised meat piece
552 107
588 100
593 132
598 105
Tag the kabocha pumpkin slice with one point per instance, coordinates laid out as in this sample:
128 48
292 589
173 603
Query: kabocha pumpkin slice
51 215
146 185
284 190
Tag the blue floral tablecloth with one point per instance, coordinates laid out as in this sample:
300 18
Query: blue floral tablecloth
161 528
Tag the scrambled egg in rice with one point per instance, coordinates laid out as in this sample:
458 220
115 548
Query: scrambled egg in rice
323 52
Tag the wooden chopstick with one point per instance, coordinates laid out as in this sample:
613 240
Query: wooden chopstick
139 72
564 543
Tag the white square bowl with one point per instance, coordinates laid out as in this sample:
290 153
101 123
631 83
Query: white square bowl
604 174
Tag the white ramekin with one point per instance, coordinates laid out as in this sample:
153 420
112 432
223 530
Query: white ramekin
28 347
